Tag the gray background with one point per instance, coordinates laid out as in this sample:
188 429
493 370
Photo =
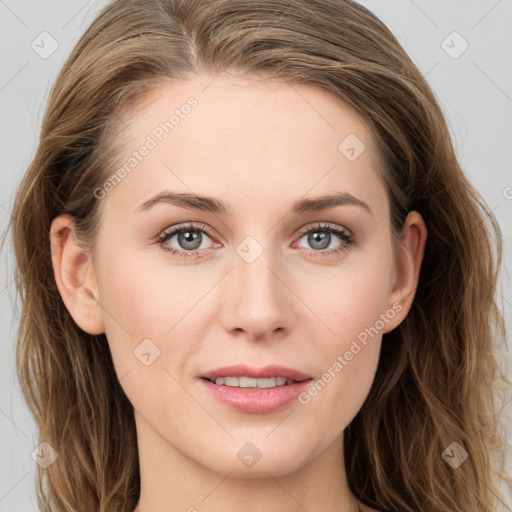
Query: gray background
474 89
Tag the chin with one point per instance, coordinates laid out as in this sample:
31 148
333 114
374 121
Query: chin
258 459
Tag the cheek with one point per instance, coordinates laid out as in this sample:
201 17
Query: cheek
351 297
132 315
353 305
151 315
145 298
142 316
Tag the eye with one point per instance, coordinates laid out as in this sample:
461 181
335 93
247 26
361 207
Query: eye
188 238
321 238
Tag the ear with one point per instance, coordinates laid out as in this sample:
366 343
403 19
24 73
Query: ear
407 268
74 275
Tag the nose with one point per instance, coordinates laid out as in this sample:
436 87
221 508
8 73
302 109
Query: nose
259 303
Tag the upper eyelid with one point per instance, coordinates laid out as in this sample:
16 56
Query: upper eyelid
323 225
182 227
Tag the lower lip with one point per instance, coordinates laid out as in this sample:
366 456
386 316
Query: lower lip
256 400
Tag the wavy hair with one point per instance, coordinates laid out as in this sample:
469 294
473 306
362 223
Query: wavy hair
438 379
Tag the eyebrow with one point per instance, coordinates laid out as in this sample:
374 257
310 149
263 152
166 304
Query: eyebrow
216 206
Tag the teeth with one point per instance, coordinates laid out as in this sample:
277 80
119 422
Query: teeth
250 382
231 381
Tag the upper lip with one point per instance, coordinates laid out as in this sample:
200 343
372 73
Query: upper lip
240 370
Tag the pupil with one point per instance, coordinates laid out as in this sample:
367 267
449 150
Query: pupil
321 237
189 239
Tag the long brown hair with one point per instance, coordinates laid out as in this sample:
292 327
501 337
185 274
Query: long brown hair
438 379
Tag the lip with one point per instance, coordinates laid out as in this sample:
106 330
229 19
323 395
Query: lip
240 370
256 400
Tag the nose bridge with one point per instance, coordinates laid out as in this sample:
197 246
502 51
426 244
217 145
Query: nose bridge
259 301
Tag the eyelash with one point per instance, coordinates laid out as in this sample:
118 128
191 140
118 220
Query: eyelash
347 238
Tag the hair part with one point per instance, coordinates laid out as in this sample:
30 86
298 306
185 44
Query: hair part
438 376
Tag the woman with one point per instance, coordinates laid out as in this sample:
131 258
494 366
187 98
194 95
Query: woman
254 276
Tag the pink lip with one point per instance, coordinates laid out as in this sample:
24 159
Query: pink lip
239 370
256 401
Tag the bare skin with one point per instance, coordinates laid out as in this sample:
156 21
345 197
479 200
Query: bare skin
258 146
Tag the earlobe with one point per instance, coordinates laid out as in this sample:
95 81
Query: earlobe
75 276
408 264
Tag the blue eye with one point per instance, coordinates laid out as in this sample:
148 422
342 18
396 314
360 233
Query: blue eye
190 239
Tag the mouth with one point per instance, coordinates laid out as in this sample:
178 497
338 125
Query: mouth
252 382
254 390
246 373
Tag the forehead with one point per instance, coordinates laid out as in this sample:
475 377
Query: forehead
248 140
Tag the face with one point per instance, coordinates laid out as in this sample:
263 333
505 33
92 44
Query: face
258 277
